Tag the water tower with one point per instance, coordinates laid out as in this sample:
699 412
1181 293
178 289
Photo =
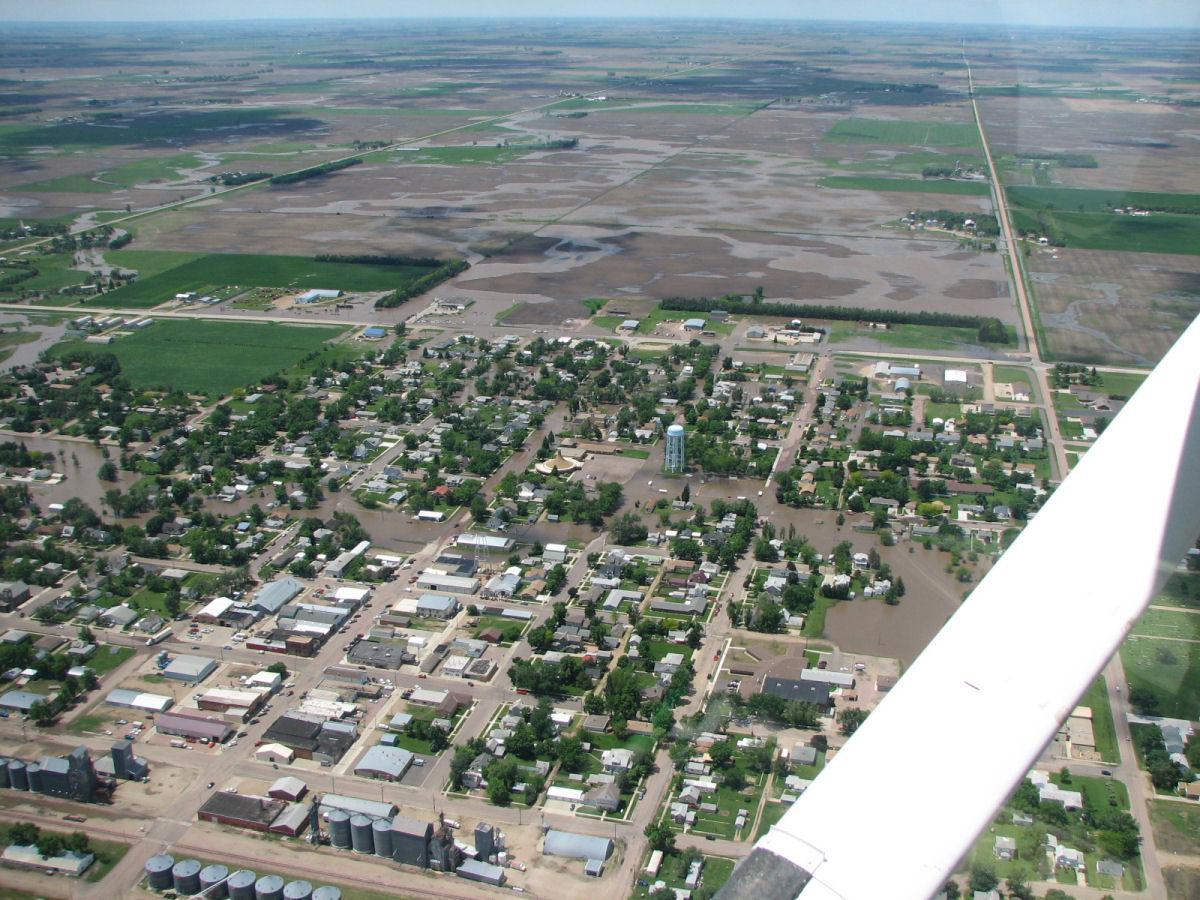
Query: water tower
676 453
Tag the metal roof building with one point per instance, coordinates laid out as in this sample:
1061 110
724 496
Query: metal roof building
192 669
271 597
374 808
139 700
576 846
384 762
481 871
20 701
193 726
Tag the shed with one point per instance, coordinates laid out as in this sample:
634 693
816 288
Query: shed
576 846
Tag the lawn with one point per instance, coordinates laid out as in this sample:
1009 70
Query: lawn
1176 826
904 133
673 871
85 723
208 357
1181 589
1170 670
216 270
909 185
108 657
915 337
108 854
511 629
772 812
905 163
1158 233
147 600
1120 384
1105 732
1013 375
814 621
1167 623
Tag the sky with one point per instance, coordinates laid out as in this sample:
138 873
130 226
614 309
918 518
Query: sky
1091 13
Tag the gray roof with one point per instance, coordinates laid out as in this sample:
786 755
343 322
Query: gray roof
22 700
391 762
576 846
438 602
374 808
190 667
410 826
271 597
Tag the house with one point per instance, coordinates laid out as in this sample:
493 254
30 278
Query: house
13 594
616 761
1069 858
1005 847
1111 868
605 797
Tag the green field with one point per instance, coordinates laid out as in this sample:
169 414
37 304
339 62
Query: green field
186 126
913 337
108 657
1120 384
905 163
1093 200
208 357
1181 589
486 154
909 185
1168 669
167 273
54 272
903 133
164 168
1158 233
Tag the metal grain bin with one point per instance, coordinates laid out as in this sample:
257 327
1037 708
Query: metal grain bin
33 777
4 761
360 834
297 890
17 778
158 872
381 834
269 887
212 881
339 828
327 892
241 885
186 875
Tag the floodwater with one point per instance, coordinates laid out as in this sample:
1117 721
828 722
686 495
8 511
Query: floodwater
79 461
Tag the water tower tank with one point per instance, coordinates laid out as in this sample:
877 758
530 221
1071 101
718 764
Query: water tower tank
381 835
158 872
16 775
269 887
241 885
339 828
212 881
186 875
33 777
360 834
297 890
327 892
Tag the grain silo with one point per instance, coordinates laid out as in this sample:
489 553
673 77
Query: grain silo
186 876
158 872
241 885
339 828
269 887
360 834
212 881
297 890
381 835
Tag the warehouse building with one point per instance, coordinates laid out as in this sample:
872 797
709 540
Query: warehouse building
196 728
154 703
477 870
190 669
241 810
576 846
388 763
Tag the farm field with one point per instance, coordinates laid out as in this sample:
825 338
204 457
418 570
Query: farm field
125 176
907 185
1156 233
216 270
1093 200
208 357
911 134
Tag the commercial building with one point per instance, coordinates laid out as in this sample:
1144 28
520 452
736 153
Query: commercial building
410 841
436 606
241 810
154 703
388 763
197 728
190 669
477 870
271 596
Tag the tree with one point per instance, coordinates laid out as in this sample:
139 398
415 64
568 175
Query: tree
278 668
107 471
23 833
851 719
51 844
499 793
983 878
628 529
721 754
735 778
1144 701
661 837
42 713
